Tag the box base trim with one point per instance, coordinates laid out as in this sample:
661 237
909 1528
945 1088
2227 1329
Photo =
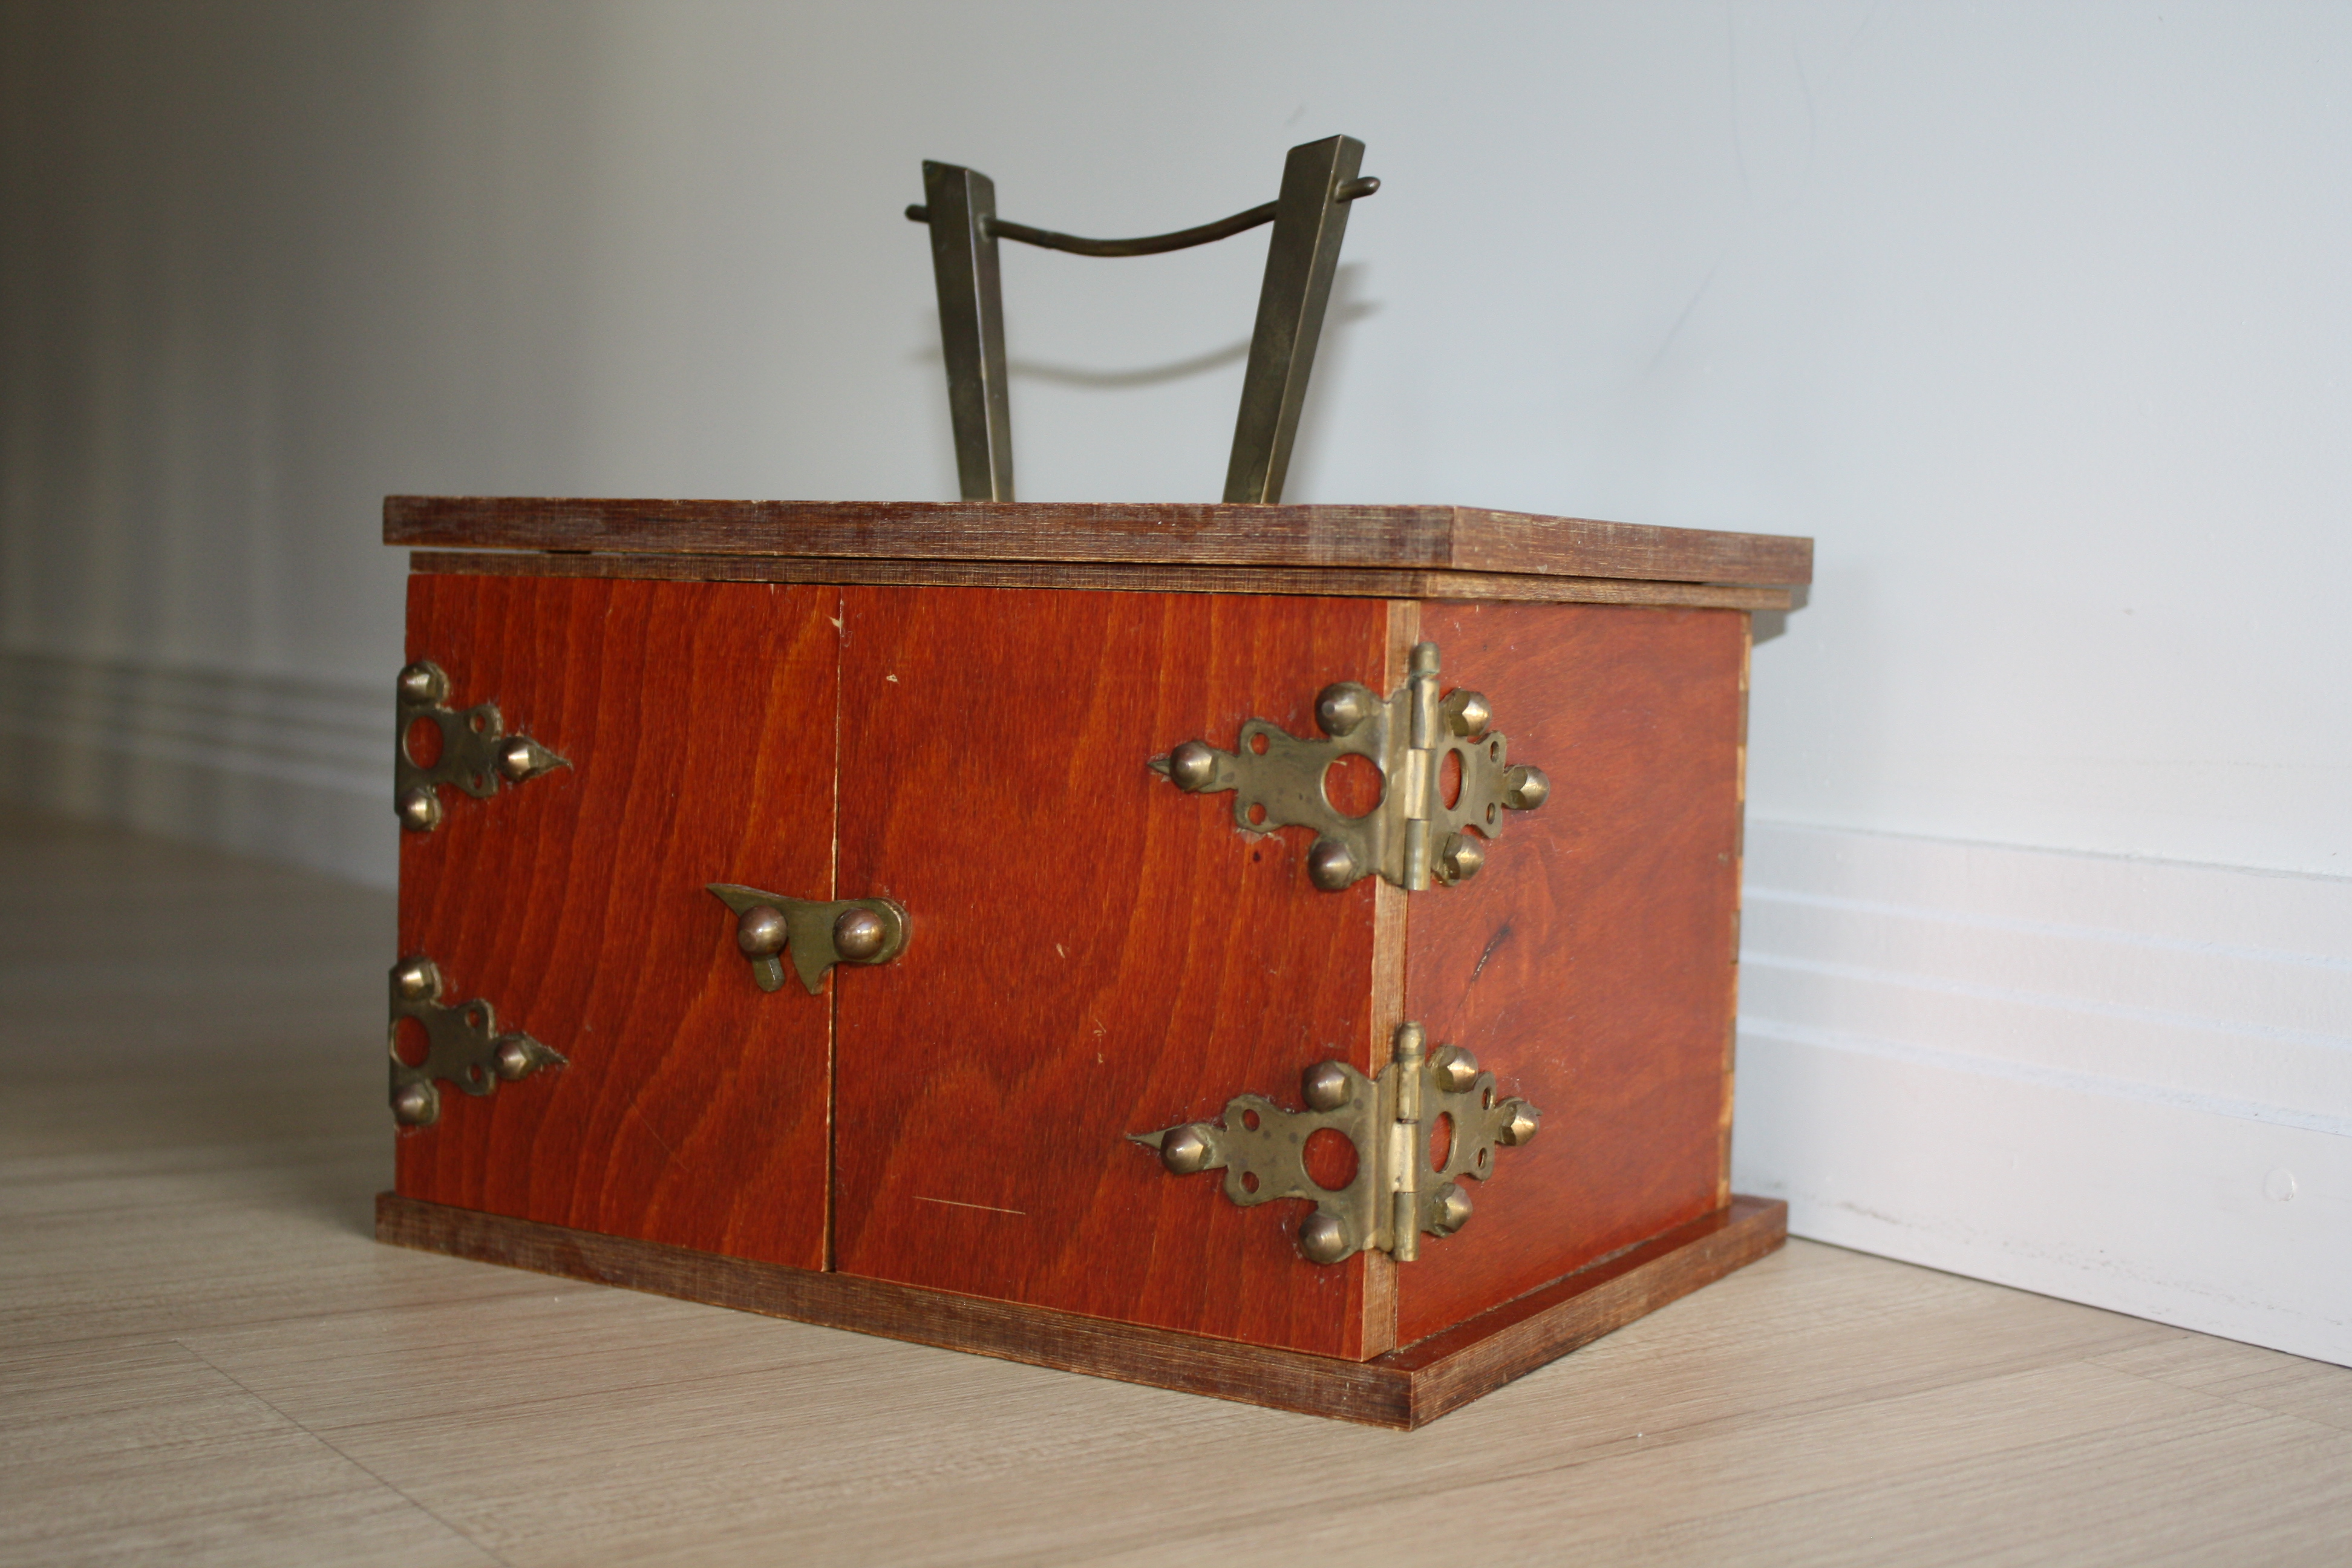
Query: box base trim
1406 1388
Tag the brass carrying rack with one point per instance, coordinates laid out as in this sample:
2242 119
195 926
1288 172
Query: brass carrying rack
1320 180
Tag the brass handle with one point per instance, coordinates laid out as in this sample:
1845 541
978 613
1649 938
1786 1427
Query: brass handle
817 935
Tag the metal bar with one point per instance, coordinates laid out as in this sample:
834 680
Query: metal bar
961 205
1150 244
1183 238
1310 220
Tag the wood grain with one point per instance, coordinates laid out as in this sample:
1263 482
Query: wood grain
1590 965
1404 1389
697 719
1443 538
1331 581
1094 953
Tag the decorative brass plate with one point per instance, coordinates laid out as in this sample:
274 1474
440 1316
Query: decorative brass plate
1398 1192
476 753
1278 781
820 935
463 1046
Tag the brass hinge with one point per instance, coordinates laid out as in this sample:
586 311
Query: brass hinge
462 1046
477 754
1413 835
1399 1191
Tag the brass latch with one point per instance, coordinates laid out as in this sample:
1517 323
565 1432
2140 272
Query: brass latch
477 754
820 935
1413 835
462 1046
1426 1123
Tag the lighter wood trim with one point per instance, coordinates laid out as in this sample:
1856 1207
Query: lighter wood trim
1390 915
1357 582
1446 538
1739 882
1402 1389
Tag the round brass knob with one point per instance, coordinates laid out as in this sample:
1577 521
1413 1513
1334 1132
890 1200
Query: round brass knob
858 935
1184 1152
1325 1085
1321 1238
1523 789
515 757
419 809
1340 709
1456 1071
415 979
1521 1125
1461 858
1331 865
415 1105
422 683
1449 1209
1193 766
512 1059
761 931
1467 715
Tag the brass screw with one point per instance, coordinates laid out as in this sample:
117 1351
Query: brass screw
517 757
415 979
513 1059
1466 713
419 808
1454 1069
761 931
421 682
1340 709
1184 1152
1193 767
1321 1238
1449 1209
1521 1124
1331 865
858 935
1523 789
415 1105
1325 1085
1461 858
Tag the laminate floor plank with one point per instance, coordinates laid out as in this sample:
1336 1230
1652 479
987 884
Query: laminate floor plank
2269 1380
2198 1486
205 1356
143 1452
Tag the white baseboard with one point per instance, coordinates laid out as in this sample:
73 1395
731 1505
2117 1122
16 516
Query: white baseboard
2123 1082
292 768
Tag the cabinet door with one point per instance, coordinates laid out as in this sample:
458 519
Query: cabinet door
1092 952
698 720
1591 963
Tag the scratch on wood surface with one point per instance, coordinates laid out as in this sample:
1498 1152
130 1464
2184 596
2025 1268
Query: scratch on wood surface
654 1134
991 1208
1502 933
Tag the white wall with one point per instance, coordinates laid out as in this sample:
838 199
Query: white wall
2034 317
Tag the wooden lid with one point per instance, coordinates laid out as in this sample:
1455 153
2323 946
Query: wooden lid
1413 538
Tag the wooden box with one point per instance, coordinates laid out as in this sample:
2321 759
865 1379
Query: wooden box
972 717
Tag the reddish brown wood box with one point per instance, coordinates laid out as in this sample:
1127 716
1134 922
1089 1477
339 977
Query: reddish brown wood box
965 726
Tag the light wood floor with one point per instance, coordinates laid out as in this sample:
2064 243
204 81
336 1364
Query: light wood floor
205 1358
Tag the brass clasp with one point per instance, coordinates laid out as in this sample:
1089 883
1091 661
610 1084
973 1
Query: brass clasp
819 935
